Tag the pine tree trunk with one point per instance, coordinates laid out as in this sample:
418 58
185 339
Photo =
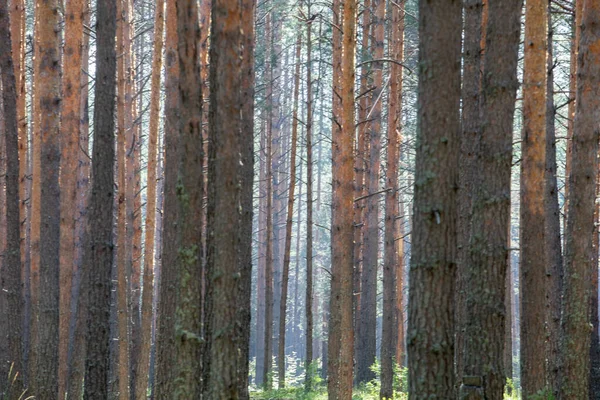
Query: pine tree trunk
71 117
188 344
11 305
341 332
366 350
432 274
485 277
288 225
470 137
554 269
143 371
533 166
230 188
391 307
575 332
308 303
99 250
44 380
334 332
165 341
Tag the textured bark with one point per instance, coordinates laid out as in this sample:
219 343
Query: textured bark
79 304
575 331
230 188
44 380
471 131
11 299
341 332
532 216
392 308
165 342
188 340
334 332
17 29
433 262
71 119
554 268
289 220
99 249
366 350
483 368
141 384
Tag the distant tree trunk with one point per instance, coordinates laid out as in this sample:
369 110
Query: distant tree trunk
188 342
554 269
432 273
44 382
11 299
488 251
308 303
334 332
361 169
470 137
341 330
143 371
99 250
366 350
268 339
259 379
288 225
575 39
123 261
71 120
165 341
391 307
575 332
533 166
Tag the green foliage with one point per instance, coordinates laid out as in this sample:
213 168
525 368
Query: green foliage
510 391
9 393
370 390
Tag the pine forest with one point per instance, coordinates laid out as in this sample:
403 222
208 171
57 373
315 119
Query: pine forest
299 199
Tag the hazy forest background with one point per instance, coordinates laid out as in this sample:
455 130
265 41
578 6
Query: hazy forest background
309 199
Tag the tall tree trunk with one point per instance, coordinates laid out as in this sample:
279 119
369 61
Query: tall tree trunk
487 264
575 333
44 380
288 224
188 343
308 303
366 350
165 342
268 339
71 119
391 307
99 250
470 137
573 76
79 293
341 332
143 371
11 299
533 166
432 274
334 332
123 261
554 269
230 188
